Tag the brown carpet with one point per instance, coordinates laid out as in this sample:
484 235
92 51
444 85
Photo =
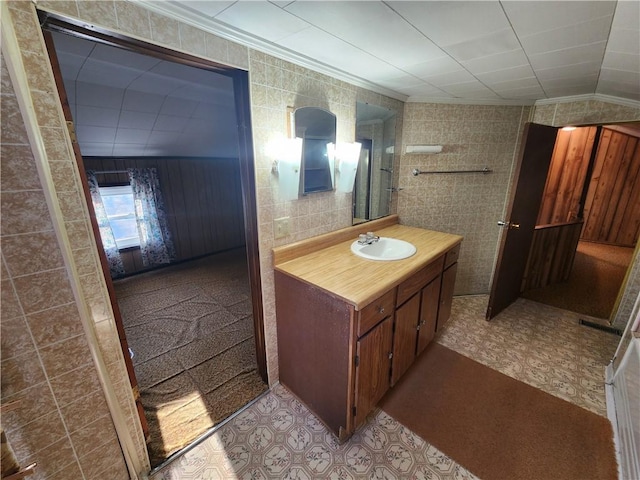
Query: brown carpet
190 327
497 427
596 278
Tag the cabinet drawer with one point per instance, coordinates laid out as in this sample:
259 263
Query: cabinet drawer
452 256
413 284
376 311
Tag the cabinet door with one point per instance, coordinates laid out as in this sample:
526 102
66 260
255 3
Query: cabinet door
373 365
446 294
404 337
428 314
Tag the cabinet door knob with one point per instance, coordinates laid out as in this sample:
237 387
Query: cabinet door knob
380 309
390 355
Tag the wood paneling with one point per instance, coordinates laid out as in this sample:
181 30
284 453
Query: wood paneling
552 253
203 202
612 207
567 174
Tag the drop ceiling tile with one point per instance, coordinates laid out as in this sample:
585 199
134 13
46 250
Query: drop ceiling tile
132 119
162 139
90 134
625 41
627 15
123 58
89 149
403 81
461 76
579 70
450 23
152 83
72 45
98 95
426 91
594 31
97 116
621 61
170 123
499 61
102 73
508 74
262 19
474 89
132 135
568 56
142 101
530 82
178 107
330 50
617 89
554 92
483 46
532 92
586 80
210 9
621 76
437 66
372 26
70 64
532 17
129 150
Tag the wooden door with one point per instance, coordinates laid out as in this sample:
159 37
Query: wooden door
373 365
96 231
430 298
404 337
529 180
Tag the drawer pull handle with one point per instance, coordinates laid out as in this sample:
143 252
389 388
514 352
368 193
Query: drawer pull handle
380 309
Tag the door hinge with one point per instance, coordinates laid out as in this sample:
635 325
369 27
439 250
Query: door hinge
357 360
72 131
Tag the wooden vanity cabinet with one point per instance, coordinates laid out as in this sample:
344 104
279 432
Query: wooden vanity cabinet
339 361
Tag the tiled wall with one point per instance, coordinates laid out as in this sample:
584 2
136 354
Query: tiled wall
598 112
62 422
473 137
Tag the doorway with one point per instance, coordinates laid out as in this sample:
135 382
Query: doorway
189 313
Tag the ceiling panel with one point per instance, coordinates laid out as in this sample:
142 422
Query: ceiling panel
586 33
483 46
560 58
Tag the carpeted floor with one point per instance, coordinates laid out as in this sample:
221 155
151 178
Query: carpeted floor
190 327
592 288
474 413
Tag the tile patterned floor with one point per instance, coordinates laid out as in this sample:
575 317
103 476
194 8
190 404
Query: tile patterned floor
277 437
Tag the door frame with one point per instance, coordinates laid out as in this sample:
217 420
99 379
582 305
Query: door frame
240 78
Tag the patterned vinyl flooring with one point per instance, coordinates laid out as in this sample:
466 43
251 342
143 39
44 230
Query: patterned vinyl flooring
278 438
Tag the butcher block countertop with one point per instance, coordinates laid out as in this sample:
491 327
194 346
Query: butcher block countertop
328 263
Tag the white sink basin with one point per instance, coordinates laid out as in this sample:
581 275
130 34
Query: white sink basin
384 249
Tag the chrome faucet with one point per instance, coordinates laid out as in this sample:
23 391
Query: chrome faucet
367 238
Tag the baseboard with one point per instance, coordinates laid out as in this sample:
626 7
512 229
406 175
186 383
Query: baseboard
598 326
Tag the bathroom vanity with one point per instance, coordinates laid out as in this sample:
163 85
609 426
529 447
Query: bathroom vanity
350 327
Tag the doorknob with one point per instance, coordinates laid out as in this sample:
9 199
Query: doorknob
509 225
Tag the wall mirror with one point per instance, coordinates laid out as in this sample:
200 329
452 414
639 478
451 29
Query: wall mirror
376 131
317 129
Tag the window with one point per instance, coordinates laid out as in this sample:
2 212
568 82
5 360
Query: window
120 208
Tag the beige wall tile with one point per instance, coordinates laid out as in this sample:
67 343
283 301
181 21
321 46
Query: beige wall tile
20 173
10 304
15 338
24 212
76 383
56 461
43 290
36 401
92 436
56 324
192 39
164 30
78 232
38 434
104 463
84 410
72 205
19 373
99 12
67 355
217 48
67 7
56 144
12 123
238 55
31 253
63 175
133 19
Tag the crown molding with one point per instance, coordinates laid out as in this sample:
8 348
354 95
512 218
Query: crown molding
223 30
470 101
627 102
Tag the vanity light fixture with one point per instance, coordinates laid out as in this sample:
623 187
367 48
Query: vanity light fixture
288 155
569 128
423 149
347 157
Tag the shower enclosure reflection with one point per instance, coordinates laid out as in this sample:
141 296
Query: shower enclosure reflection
376 131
